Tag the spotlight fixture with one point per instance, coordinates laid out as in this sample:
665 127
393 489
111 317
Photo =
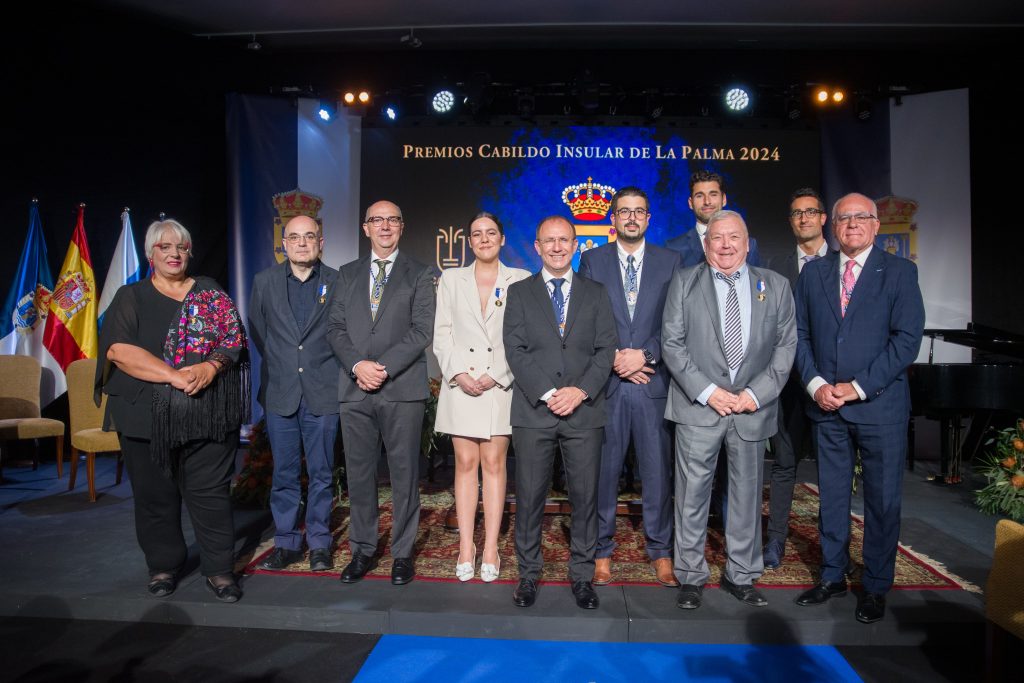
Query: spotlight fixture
737 99
794 108
254 44
526 103
838 96
349 99
443 101
654 105
327 111
821 95
825 95
862 108
363 97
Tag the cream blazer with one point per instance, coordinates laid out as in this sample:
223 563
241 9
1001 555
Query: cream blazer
466 341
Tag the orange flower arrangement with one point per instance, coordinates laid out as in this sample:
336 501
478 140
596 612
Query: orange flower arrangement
1004 470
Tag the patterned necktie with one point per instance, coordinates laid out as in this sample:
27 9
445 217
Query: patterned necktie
558 303
630 285
848 283
378 286
809 257
733 329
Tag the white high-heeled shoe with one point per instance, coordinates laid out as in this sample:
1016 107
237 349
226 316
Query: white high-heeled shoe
489 572
464 570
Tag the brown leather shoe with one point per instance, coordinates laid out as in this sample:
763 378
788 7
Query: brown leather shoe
602 571
663 572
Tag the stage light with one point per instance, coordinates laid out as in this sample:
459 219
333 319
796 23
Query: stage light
862 108
443 101
349 98
838 96
390 113
364 97
821 95
327 111
737 99
794 109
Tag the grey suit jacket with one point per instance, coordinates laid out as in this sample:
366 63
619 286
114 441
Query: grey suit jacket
693 349
294 362
540 359
397 338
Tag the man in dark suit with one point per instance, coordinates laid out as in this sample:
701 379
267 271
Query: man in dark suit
560 343
298 389
728 338
860 317
807 216
707 196
636 275
380 324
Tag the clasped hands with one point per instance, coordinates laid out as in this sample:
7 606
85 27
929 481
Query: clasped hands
630 364
474 387
833 397
566 400
193 378
727 403
370 375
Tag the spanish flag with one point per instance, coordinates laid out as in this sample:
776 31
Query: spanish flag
71 325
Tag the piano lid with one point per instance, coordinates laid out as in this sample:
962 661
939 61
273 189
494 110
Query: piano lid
981 337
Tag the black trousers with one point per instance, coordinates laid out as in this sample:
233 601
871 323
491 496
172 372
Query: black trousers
202 480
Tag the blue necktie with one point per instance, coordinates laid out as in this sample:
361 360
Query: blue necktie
558 303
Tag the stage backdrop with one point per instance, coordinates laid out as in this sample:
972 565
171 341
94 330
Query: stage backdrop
442 176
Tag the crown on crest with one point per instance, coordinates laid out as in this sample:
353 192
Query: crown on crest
588 201
297 203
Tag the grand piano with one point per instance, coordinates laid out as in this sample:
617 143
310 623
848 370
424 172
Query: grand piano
949 392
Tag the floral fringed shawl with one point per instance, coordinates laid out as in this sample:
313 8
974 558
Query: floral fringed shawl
208 327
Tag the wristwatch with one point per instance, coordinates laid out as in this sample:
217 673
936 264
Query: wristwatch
649 357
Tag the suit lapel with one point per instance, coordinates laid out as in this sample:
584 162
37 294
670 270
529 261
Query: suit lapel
869 281
282 285
503 281
467 285
757 307
652 267
394 279
576 299
830 284
540 292
318 308
614 273
707 288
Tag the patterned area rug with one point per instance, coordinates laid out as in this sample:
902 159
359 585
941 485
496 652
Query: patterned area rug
437 549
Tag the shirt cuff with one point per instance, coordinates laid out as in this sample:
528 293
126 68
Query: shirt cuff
753 396
547 394
706 394
815 384
860 392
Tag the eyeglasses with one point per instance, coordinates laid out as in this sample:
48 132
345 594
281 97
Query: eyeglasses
858 218
625 213
377 221
797 214
295 237
168 248
552 241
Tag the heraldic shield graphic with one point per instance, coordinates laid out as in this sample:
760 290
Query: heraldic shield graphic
897 230
589 202
288 205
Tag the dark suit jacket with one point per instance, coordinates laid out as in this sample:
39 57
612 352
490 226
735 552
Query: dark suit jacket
644 330
284 348
397 338
874 343
540 359
689 248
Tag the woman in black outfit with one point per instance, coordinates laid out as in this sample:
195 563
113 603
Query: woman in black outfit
173 363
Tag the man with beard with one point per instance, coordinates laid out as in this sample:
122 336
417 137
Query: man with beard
707 196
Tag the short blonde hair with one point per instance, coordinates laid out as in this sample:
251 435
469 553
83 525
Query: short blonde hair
156 229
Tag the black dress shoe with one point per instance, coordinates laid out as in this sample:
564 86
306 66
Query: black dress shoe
228 592
745 593
870 608
320 560
402 571
821 593
688 596
525 593
162 585
357 568
280 559
585 596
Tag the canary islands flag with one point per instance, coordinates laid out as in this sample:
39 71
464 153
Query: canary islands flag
124 268
71 325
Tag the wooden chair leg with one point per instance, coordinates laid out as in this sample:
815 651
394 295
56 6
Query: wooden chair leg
74 469
35 454
90 471
60 456
120 467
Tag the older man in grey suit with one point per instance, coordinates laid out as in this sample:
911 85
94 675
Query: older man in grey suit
380 323
728 339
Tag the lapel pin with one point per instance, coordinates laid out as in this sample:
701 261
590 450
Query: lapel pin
323 293
761 289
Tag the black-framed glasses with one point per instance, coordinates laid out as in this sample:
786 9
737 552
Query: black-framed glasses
377 221
295 237
625 213
797 214
858 218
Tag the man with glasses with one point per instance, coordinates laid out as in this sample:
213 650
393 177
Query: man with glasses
380 323
636 276
860 317
560 344
807 219
298 389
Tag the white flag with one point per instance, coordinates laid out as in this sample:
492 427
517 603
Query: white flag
124 268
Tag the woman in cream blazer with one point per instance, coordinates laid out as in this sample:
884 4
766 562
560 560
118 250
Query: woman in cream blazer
476 387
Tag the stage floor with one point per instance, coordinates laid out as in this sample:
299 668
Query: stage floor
71 559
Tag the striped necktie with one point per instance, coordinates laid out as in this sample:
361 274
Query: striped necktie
733 329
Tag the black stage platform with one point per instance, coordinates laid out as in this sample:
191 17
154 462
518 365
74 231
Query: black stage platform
68 559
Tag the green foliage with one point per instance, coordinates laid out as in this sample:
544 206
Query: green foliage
1003 467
